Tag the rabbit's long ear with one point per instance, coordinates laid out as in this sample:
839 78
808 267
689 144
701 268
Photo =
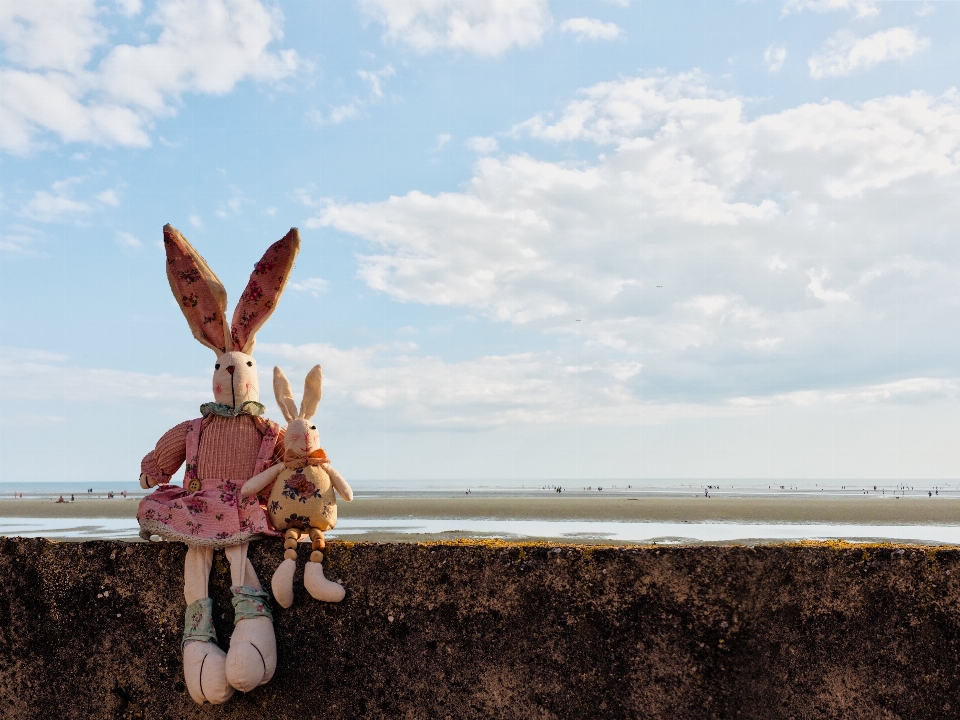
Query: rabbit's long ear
311 392
198 291
284 394
267 281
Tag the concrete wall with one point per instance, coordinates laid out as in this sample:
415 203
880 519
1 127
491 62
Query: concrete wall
502 631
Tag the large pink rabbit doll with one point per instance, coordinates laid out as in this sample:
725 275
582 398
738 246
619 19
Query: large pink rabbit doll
223 449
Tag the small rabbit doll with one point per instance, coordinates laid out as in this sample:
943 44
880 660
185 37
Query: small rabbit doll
226 447
302 497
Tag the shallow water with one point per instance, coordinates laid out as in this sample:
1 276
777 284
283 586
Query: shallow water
563 531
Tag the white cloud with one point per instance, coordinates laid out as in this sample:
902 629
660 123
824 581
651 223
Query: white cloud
591 29
126 240
844 54
129 8
410 388
441 141
483 145
33 420
15 242
395 383
481 27
775 264
375 78
305 197
235 205
767 343
195 220
774 57
50 36
53 87
314 286
816 289
704 238
109 197
860 8
37 376
910 390
407 388
56 206
925 9
344 112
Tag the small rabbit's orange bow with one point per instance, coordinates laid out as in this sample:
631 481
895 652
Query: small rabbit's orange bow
293 460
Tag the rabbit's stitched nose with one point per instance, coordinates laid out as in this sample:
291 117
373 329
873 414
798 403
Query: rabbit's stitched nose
230 369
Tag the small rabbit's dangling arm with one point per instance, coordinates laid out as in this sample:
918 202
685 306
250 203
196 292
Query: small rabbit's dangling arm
259 482
339 484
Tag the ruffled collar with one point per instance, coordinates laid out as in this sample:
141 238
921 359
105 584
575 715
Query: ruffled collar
250 407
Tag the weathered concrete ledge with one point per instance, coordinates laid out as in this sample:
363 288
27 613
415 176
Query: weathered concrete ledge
488 630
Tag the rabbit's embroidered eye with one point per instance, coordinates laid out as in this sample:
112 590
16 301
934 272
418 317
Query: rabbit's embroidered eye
217 366
249 363
313 427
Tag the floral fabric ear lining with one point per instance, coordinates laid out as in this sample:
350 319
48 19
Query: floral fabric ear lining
259 298
197 290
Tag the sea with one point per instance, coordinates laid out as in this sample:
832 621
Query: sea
578 531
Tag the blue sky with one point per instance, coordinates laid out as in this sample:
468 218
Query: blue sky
541 240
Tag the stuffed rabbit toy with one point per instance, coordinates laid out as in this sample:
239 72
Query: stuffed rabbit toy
302 497
223 449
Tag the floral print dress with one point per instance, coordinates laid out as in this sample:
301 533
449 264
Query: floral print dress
208 511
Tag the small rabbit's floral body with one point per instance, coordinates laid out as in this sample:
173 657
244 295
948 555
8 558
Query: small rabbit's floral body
302 499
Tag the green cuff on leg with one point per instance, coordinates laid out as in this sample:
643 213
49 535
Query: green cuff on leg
249 603
198 624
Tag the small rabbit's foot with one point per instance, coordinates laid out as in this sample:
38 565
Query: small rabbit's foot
282 583
319 587
252 658
204 670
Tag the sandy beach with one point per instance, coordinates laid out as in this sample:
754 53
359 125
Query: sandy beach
787 509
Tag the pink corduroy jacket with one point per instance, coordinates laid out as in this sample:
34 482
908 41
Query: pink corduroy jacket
228 449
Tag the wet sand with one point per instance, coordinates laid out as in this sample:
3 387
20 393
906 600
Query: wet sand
789 509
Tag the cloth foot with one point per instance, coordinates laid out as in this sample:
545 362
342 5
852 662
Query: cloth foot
319 587
282 583
252 658
204 671
204 663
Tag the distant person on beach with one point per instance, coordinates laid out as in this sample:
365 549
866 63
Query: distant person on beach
60 500
72 499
